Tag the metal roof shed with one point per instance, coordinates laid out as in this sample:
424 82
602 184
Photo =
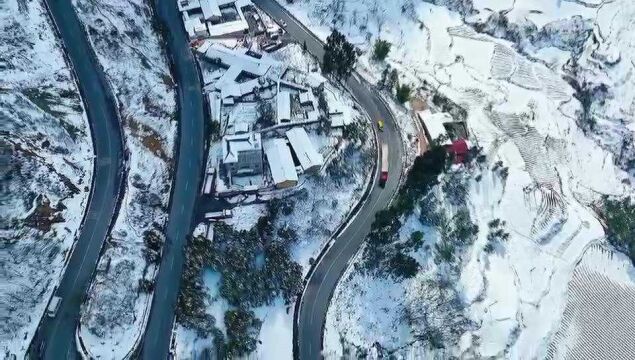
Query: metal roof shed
433 124
310 159
211 11
281 163
283 107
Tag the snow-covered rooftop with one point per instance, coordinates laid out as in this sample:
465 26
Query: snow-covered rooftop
433 124
234 144
266 70
283 107
281 163
309 158
214 106
194 26
211 10
186 5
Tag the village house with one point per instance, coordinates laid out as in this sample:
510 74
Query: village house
281 163
310 160
242 154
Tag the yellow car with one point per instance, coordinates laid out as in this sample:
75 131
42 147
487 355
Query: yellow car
380 125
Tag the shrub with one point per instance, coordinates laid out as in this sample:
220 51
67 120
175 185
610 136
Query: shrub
242 332
381 49
403 266
415 241
619 217
403 93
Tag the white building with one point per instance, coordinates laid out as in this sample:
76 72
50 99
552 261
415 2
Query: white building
310 159
211 10
281 163
194 26
266 71
204 18
283 101
242 154
433 125
214 106
306 98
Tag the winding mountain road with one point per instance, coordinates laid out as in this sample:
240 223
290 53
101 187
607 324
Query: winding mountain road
55 338
156 340
319 289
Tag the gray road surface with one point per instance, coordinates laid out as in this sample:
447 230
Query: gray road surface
317 295
56 336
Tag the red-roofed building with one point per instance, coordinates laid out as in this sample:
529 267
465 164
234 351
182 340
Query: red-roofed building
459 149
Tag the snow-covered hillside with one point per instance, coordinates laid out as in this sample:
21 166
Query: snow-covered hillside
528 116
46 167
129 49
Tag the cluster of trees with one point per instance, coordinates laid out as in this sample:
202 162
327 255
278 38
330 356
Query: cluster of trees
436 316
383 251
255 267
340 56
503 171
190 310
456 232
242 333
619 218
354 132
153 241
447 105
496 235
265 114
389 81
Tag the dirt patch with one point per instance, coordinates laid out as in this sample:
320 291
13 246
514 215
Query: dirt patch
150 139
167 80
44 215
418 104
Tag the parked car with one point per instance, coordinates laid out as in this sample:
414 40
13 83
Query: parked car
54 305
380 124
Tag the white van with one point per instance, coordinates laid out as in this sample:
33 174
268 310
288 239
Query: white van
54 305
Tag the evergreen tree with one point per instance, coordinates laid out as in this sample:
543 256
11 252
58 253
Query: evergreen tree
381 49
339 56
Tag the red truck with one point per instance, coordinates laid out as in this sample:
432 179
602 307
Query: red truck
383 176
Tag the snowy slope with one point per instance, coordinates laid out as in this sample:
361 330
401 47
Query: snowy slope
320 203
130 51
523 113
46 170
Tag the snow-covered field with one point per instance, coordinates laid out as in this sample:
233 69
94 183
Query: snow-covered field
46 168
598 321
319 203
136 67
522 112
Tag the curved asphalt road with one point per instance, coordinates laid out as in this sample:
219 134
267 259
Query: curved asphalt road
55 338
189 170
317 294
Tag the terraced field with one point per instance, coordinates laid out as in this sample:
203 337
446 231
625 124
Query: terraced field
598 321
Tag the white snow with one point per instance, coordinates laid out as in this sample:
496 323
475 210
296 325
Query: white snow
329 196
47 164
276 332
136 67
522 113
